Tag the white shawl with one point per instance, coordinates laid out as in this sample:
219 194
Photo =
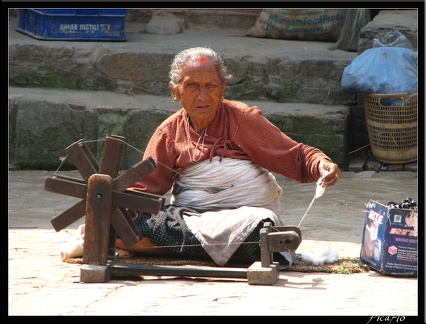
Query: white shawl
229 183
239 195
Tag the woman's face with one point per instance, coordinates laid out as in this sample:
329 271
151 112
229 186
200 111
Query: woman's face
200 90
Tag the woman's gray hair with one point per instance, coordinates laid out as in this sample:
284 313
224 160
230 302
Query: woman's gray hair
194 54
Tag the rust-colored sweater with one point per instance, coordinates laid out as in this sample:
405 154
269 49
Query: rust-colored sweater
238 131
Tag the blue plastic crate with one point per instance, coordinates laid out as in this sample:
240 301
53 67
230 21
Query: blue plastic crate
73 24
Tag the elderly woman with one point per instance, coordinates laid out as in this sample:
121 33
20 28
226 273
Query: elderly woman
217 155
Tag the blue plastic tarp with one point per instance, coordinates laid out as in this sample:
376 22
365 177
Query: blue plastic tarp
383 70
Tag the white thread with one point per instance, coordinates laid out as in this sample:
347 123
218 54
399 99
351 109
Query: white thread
319 191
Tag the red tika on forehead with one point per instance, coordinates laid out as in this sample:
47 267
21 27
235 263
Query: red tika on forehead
203 60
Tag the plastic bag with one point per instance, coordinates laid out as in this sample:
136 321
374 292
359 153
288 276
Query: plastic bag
392 38
383 70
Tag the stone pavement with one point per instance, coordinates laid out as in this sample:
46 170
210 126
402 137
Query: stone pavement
39 283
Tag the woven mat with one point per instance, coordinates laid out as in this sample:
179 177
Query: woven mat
342 266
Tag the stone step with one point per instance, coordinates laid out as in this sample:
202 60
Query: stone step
63 91
44 122
237 18
262 69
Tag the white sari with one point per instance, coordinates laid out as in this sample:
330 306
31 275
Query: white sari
238 194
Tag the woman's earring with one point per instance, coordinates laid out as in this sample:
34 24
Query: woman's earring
175 99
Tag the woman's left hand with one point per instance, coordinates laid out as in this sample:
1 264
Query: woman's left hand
330 173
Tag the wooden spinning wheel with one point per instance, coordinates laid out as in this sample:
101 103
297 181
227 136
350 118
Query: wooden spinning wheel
106 201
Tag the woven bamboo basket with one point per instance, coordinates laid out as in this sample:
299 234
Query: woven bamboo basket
392 126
